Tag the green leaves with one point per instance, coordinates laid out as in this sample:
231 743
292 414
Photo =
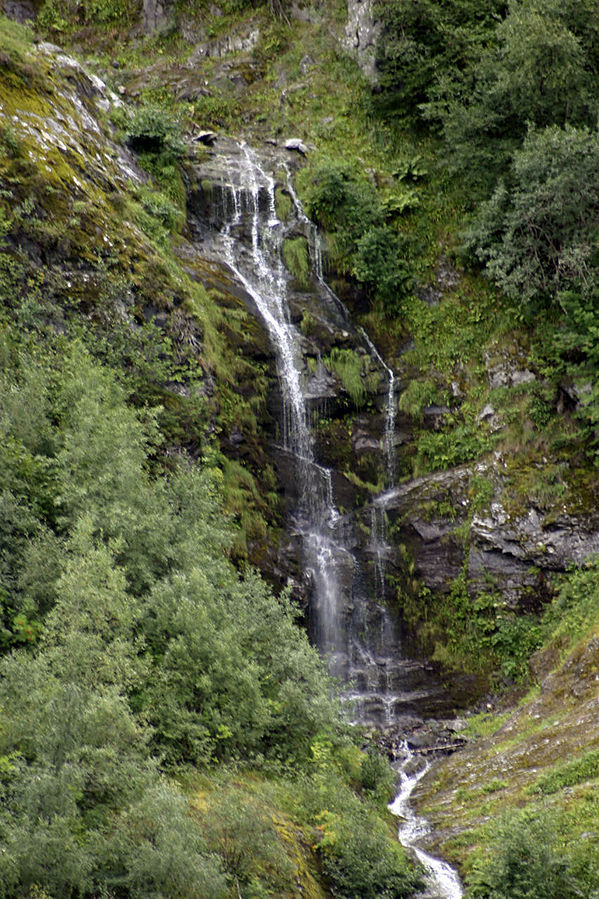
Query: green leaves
526 862
381 263
537 233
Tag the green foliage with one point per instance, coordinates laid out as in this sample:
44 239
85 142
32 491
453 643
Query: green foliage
526 861
349 367
570 773
295 257
376 775
240 831
361 242
152 647
475 629
535 72
575 610
380 263
362 862
418 395
458 442
536 235
423 41
344 202
161 207
64 15
151 129
235 694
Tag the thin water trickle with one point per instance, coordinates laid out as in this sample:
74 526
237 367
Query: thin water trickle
390 411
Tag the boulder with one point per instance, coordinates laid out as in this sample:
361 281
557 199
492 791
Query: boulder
295 143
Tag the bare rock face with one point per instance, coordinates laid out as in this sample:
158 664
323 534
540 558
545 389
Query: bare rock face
514 553
235 42
156 15
361 33
19 10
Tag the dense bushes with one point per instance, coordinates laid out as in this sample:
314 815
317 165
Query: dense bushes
149 644
146 651
361 241
423 41
536 235
526 861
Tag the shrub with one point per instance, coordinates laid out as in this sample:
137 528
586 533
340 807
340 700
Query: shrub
380 263
152 130
343 202
362 862
536 235
525 862
376 775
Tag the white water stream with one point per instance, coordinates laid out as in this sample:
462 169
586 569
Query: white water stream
442 881
353 629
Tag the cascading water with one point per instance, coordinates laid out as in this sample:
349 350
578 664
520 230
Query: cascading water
263 276
441 879
389 435
349 625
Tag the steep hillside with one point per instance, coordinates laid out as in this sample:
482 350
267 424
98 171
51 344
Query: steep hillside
525 787
152 684
455 182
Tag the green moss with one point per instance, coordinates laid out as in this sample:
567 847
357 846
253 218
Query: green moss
295 257
348 365
284 205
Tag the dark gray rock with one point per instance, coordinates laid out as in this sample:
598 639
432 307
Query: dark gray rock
511 553
19 10
157 15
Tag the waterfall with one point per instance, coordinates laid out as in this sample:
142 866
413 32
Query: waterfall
349 625
264 278
349 621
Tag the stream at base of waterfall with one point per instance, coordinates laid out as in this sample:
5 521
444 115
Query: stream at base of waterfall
348 625
442 881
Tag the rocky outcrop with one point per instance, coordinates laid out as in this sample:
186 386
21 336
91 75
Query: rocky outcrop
513 553
19 10
361 33
157 15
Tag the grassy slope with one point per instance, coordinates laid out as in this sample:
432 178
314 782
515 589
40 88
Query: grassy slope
542 756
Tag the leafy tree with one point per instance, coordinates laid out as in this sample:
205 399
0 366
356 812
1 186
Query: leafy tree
234 676
423 41
537 234
536 71
158 849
